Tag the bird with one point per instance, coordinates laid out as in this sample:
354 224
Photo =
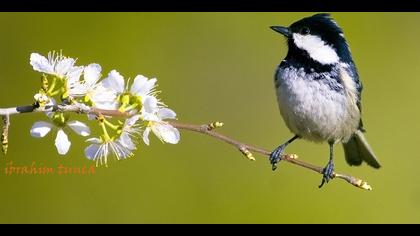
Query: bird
319 92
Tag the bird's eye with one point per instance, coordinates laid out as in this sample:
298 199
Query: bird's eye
304 31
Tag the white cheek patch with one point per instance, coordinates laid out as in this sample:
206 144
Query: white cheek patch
316 48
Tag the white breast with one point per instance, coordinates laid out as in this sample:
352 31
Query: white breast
312 110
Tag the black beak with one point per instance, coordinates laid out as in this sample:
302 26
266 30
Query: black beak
282 30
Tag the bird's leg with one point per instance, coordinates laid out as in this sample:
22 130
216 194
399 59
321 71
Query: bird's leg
275 156
329 169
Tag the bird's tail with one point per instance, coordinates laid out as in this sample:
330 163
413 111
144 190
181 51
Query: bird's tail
358 150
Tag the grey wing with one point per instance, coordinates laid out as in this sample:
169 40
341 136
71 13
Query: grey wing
359 87
357 148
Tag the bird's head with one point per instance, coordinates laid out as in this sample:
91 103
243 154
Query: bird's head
317 37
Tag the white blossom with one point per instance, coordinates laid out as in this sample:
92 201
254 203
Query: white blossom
130 131
94 91
155 115
100 150
122 147
41 129
91 76
56 64
142 87
81 86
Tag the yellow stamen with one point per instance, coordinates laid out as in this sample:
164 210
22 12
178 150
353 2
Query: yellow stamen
52 87
110 125
106 136
44 83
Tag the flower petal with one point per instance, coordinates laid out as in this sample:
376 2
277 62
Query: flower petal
148 87
91 151
132 120
92 73
166 132
126 141
166 113
150 117
64 66
107 105
91 116
114 81
79 127
142 86
62 142
94 140
40 129
77 89
104 98
150 104
146 136
41 63
138 84
73 76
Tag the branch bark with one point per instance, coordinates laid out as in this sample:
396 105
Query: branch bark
206 129
247 150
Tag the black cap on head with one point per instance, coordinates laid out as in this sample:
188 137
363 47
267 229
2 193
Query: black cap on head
323 26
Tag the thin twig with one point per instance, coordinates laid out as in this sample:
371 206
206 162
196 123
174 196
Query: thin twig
247 149
207 129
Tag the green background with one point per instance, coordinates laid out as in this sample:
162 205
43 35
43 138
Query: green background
213 66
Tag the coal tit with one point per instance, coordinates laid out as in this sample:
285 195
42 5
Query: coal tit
319 91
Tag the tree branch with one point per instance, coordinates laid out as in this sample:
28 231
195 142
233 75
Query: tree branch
207 129
248 149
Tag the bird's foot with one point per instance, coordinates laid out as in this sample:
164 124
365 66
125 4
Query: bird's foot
275 156
328 173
